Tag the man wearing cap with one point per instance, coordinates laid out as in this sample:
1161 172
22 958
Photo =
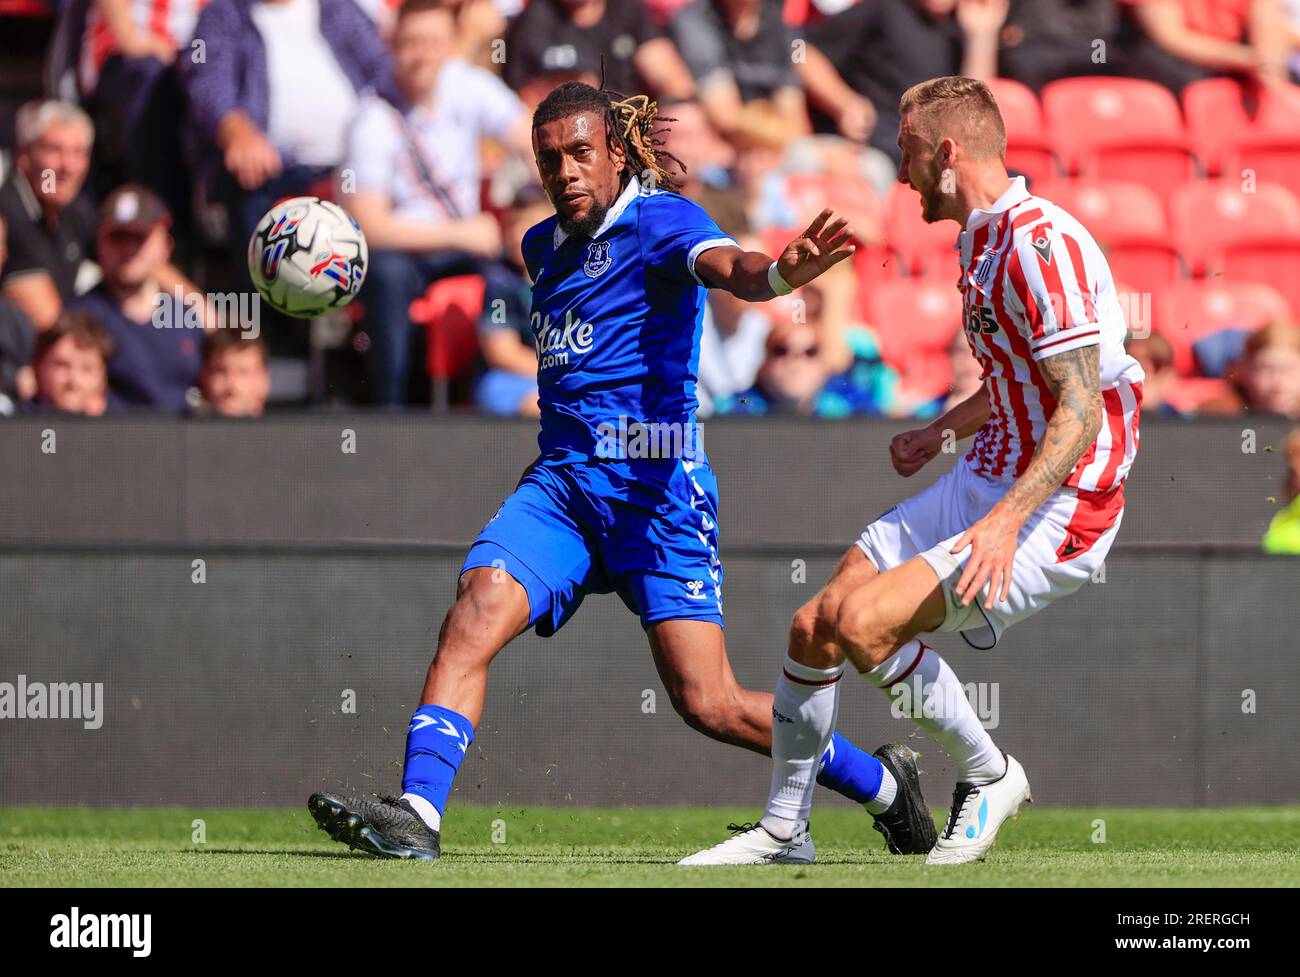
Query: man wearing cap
158 344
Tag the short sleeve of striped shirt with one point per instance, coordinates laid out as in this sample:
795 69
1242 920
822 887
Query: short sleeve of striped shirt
1052 291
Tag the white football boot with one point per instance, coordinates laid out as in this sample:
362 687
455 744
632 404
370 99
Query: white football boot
978 810
752 845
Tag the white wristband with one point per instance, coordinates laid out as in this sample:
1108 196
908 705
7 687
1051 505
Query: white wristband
778 284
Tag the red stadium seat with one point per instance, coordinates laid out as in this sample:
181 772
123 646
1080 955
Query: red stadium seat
1274 263
1270 149
1119 129
1136 305
921 248
1216 117
1246 132
917 319
1129 223
1148 267
1209 218
1028 149
39 9
449 312
1187 394
1189 310
1112 211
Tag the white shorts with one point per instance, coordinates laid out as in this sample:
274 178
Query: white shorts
1060 547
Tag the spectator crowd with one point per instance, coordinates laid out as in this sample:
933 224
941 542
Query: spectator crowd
157 132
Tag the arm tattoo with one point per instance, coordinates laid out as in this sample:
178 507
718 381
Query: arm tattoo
1075 379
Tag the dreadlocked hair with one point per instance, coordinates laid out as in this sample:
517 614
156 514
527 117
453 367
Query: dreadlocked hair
634 123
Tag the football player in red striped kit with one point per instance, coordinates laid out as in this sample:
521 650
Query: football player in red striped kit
1025 517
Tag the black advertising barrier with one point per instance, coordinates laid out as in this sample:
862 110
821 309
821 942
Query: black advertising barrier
348 478
274 671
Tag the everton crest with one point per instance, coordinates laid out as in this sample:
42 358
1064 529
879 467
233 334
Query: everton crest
598 259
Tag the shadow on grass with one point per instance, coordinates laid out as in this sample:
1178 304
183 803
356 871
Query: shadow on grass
541 858
286 851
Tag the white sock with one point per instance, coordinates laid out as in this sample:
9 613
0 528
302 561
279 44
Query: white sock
803 717
428 813
885 796
916 676
782 828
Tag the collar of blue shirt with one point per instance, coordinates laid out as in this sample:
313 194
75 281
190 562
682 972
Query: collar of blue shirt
629 193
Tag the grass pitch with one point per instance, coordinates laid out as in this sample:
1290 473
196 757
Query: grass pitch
529 846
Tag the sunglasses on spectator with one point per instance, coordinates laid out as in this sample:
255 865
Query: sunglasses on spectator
781 350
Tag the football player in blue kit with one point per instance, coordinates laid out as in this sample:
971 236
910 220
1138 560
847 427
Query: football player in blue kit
621 497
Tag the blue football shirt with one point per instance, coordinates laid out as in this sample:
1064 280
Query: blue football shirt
617 318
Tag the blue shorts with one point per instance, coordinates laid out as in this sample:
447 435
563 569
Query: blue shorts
646 529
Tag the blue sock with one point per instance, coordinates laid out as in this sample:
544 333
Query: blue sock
436 742
850 771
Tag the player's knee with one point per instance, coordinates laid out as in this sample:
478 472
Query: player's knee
812 635
803 629
704 711
471 627
859 626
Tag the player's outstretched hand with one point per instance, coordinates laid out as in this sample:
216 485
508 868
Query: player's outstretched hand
992 542
824 243
909 451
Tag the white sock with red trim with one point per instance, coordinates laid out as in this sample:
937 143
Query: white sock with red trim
803 718
918 679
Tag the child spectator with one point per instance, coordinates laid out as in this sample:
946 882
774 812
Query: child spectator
71 365
235 379
1266 379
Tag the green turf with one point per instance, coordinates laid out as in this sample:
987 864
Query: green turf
637 846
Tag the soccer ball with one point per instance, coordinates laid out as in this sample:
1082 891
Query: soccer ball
307 257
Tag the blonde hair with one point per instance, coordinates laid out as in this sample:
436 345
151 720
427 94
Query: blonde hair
960 108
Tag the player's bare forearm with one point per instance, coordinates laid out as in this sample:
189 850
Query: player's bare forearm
742 273
911 451
965 418
1075 380
747 274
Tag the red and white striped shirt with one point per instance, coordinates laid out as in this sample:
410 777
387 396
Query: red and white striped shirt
170 19
1035 283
